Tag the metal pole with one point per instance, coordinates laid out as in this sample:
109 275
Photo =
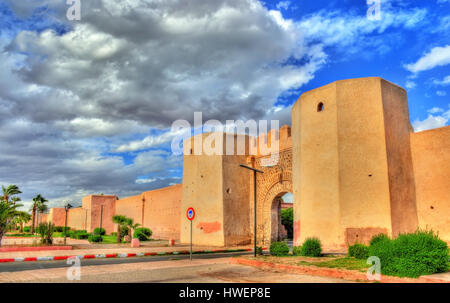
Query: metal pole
255 171
190 254
254 231
65 228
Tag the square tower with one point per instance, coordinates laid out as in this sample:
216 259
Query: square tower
218 189
352 165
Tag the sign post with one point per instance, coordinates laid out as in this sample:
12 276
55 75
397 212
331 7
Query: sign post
190 214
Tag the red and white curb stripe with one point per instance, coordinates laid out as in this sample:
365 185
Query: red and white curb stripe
121 255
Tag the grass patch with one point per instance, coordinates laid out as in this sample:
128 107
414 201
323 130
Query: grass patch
344 263
21 235
109 239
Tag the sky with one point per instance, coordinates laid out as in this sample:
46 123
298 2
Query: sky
87 105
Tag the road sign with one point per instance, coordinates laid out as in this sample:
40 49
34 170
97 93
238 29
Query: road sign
190 213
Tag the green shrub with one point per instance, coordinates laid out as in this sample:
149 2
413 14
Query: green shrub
358 251
100 231
123 231
46 232
82 236
259 251
59 229
377 238
78 234
311 247
142 233
297 250
411 255
95 238
279 249
287 219
26 229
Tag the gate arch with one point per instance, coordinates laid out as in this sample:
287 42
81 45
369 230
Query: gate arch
271 185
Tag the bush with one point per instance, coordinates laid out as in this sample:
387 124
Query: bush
411 255
59 229
78 234
287 219
46 232
95 238
312 248
82 236
279 249
358 251
297 250
259 251
142 233
100 231
114 234
377 238
26 229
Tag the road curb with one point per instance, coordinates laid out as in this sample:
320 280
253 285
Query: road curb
329 272
118 255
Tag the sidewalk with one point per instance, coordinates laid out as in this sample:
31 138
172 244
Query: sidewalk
119 251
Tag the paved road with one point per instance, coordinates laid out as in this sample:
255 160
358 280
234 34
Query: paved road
203 268
21 266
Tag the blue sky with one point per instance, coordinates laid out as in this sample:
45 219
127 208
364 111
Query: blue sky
90 102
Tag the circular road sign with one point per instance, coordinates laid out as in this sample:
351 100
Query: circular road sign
190 213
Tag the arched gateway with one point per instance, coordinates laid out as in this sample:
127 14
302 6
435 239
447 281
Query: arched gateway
274 183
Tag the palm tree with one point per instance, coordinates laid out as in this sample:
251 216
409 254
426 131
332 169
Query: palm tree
37 206
120 221
131 227
10 191
21 218
14 200
7 213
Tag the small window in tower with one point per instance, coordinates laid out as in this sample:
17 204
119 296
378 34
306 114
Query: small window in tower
320 107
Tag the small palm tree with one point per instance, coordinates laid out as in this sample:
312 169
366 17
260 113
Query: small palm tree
7 213
120 221
131 227
21 218
37 206
10 191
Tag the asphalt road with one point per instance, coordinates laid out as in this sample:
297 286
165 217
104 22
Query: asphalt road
21 266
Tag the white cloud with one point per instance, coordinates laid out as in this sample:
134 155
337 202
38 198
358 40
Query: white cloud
410 84
443 82
432 121
441 93
437 56
435 110
283 5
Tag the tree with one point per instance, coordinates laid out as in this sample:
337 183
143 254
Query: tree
131 226
37 206
120 221
7 213
9 192
287 219
21 218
